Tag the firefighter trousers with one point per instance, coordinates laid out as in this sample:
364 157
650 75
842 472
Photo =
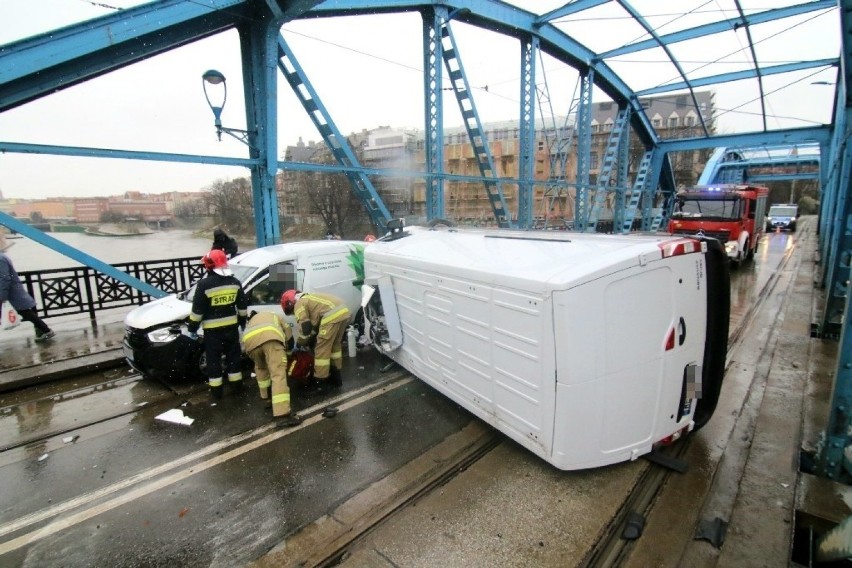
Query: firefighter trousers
270 367
221 341
329 348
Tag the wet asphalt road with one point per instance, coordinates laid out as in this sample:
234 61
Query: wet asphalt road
91 478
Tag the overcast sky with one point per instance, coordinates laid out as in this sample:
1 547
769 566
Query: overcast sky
367 71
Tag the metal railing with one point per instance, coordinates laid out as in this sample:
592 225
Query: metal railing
78 290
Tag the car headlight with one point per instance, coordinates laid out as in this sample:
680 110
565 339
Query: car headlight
164 334
731 247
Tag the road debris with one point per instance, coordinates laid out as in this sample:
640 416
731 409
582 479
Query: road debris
176 416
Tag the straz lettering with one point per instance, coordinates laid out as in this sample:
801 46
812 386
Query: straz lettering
223 298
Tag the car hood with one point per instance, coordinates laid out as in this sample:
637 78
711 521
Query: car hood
159 312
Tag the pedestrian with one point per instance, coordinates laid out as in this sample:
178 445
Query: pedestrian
219 307
265 339
221 241
12 290
322 318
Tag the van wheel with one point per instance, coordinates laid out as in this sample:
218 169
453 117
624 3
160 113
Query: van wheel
199 366
750 251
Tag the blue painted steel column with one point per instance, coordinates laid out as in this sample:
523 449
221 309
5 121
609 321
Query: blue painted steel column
584 150
79 256
259 43
839 243
829 196
434 118
526 171
826 163
652 181
833 462
620 203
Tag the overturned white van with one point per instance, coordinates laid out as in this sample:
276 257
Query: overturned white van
155 339
586 349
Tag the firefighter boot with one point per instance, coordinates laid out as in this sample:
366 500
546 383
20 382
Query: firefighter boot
216 391
334 378
288 420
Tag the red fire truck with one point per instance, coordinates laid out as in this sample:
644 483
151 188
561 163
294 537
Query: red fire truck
733 214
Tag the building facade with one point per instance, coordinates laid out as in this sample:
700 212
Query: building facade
467 202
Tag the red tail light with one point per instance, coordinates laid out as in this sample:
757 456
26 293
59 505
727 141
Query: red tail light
681 246
670 340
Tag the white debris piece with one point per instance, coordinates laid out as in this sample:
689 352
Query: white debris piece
176 415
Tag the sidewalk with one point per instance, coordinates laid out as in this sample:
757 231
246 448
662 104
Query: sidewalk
79 345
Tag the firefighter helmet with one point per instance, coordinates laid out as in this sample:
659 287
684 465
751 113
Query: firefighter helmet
288 301
215 259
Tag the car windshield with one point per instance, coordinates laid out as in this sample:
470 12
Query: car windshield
714 208
241 271
782 211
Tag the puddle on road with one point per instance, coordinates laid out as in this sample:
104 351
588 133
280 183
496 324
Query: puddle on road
38 413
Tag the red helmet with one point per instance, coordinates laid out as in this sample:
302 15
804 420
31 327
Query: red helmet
214 259
288 301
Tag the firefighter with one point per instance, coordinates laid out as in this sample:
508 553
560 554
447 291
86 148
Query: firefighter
265 339
320 317
219 307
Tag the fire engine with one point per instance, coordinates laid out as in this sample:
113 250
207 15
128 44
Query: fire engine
732 214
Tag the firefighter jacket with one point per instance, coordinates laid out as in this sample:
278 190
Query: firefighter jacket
263 327
313 310
219 301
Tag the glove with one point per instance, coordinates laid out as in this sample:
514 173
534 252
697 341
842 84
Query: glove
192 335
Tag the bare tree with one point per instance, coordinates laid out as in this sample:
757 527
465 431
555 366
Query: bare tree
231 202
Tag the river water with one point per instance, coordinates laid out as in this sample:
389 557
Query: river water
29 255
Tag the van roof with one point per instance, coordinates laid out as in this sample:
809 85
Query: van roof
556 257
273 254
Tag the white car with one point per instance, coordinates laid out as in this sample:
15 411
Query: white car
156 343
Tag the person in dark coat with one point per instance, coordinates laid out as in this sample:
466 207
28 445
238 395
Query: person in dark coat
12 290
221 241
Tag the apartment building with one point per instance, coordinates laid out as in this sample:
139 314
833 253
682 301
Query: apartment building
467 202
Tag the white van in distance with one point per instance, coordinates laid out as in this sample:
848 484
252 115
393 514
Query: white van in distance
586 349
155 340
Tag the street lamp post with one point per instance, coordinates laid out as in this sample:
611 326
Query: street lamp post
214 79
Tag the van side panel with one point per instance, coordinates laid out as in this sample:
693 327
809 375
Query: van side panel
332 274
482 347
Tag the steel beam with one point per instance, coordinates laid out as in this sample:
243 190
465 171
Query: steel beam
584 150
52 243
259 45
85 152
336 143
526 162
737 76
723 26
433 86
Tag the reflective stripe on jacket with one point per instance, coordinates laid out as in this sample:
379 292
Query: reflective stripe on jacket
219 301
263 327
311 310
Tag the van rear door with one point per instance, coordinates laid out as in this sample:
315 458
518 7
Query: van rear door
616 359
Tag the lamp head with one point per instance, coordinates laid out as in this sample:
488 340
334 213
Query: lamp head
213 77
